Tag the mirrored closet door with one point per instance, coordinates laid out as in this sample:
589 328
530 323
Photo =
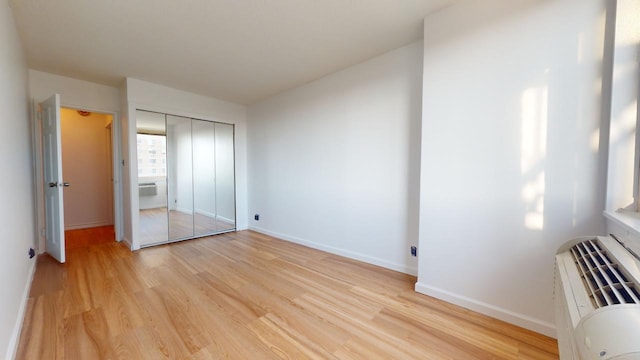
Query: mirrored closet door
180 174
198 182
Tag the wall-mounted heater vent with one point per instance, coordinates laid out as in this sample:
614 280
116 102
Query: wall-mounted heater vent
606 282
597 298
148 189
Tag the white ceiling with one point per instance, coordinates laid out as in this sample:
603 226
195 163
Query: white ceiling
236 50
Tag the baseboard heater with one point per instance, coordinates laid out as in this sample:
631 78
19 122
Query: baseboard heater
597 299
147 189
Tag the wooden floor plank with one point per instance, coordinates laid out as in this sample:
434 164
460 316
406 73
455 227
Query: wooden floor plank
246 295
45 328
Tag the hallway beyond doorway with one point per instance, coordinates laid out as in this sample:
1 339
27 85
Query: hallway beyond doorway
80 238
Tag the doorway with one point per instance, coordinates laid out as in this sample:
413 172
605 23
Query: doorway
87 167
50 185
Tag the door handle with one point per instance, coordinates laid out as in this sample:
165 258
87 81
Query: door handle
66 184
53 184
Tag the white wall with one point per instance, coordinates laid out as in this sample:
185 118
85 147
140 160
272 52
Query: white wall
86 165
334 164
224 155
204 165
73 92
624 105
17 216
129 179
183 165
138 94
510 151
623 220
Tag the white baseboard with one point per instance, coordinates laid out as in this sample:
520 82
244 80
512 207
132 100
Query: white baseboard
511 317
183 210
129 243
205 213
213 215
225 219
17 328
342 252
87 225
152 206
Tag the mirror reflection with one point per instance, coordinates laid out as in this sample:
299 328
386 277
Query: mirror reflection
180 177
225 178
186 177
204 177
152 176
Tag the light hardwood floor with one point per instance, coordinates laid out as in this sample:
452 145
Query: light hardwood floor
249 296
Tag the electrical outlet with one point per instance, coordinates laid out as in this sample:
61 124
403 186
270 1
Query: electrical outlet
414 251
256 217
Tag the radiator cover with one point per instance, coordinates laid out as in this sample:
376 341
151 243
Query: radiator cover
597 299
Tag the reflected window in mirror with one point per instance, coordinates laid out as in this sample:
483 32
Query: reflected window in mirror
152 155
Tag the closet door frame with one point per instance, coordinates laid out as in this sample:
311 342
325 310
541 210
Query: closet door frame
234 176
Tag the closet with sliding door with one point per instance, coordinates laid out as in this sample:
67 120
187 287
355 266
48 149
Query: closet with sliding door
186 177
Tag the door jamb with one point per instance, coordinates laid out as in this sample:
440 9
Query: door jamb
116 141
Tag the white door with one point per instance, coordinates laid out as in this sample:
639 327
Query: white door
53 184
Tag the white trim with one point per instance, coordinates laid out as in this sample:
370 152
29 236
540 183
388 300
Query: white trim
183 210
205 213
179 113
511 317
17 328
214 216
636 154
342 252
627 219
131 107
132 157
116 156
225 219
625 226
88 225
129 244
116 142
38 192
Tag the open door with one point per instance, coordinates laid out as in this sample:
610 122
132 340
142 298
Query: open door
53 184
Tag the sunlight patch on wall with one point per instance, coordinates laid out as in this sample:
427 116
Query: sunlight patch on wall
533 196
594 140
533 152
627 29
580 52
